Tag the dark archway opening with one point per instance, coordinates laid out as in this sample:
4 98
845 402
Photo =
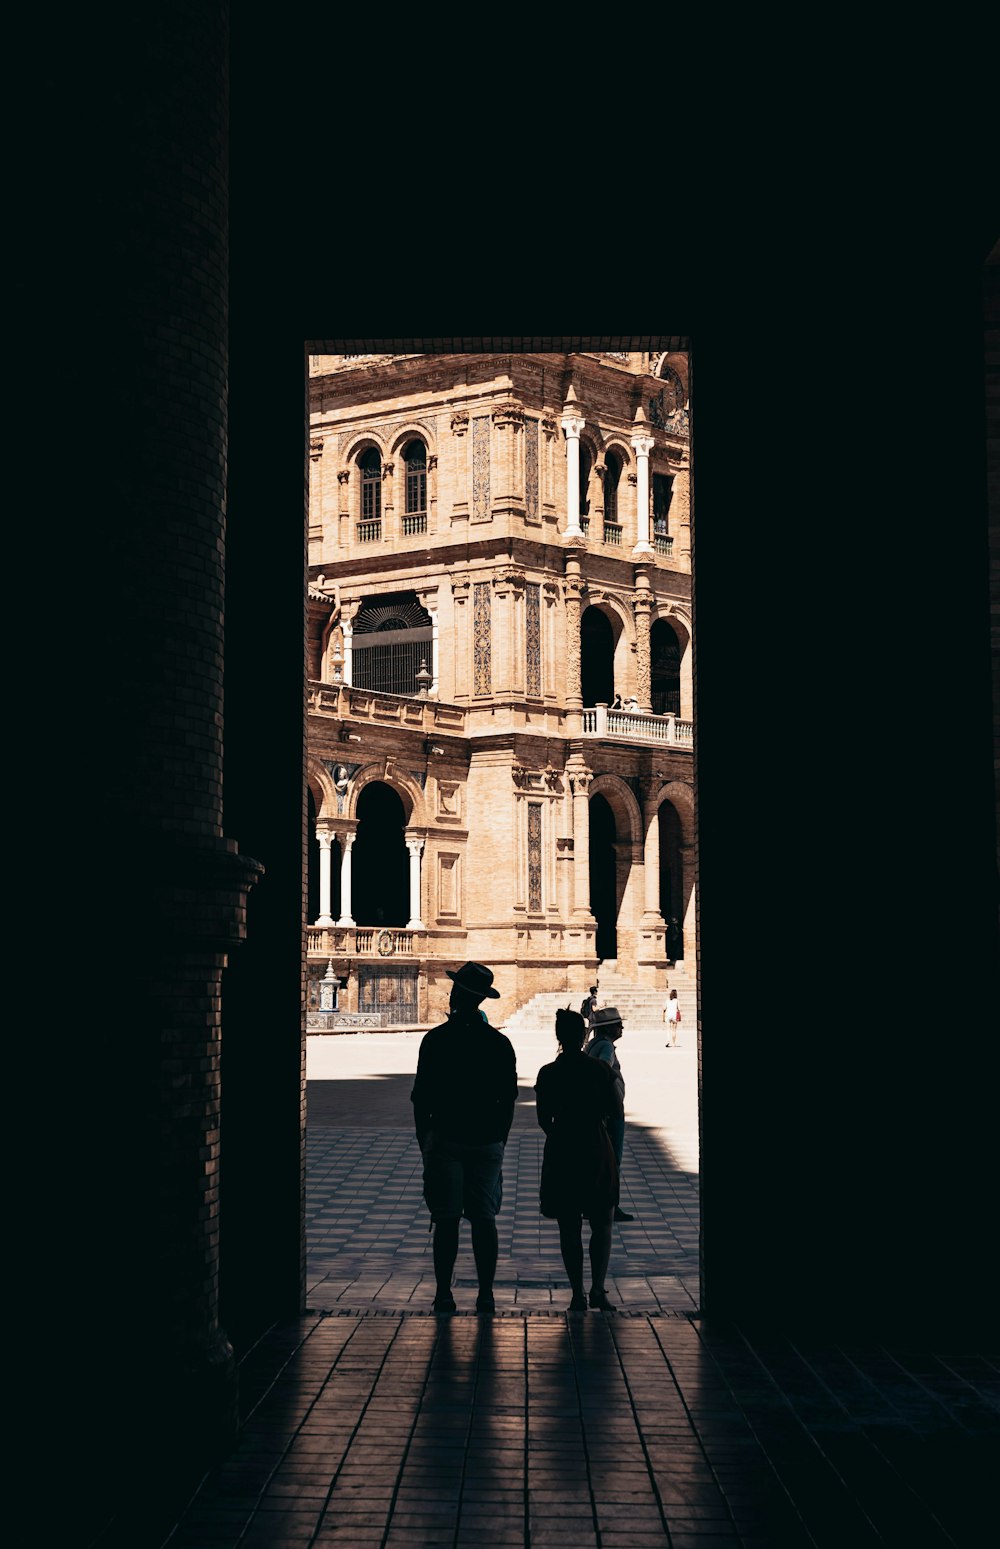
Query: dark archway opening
671 874
597 658
380 867
312 870
603 876
664 669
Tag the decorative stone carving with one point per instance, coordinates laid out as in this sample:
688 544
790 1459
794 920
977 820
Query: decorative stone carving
549 426
315 451
509 577
509 414
519 775
631 478
459 422
343 475
580 781
387 468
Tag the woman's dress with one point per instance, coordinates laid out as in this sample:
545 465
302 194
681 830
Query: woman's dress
574 1096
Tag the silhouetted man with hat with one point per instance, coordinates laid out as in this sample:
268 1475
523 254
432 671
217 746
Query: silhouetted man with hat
606 1031
463 1106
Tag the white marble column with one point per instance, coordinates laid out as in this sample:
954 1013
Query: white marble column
415 847
346 845
348 655
572 423
325 841
642 445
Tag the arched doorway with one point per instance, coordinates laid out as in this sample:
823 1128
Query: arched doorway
604 876
671 872
380 868
597 658
664 669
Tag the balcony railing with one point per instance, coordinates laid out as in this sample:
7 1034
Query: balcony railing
585 526
613 533
370 532
662 544
414 522
366 704
634 726
361 941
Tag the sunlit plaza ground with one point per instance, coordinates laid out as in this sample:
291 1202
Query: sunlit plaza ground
367 1226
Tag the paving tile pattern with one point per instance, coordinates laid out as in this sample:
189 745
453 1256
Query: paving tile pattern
368 1240
590 1430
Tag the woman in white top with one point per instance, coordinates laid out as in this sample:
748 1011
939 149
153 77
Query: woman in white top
672 1017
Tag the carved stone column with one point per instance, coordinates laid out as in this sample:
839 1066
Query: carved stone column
573 590
652 919
572 423
580 782
325 841
346 920
462 668
348 652
389 529
432 496
343 507
415 848
681 504
508 427
508 673
642 605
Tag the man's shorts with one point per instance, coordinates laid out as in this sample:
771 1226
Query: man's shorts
462 1180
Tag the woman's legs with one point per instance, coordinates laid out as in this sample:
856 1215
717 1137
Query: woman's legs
600 1249
571 1247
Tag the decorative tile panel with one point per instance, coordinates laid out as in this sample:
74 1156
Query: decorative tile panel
533 637
482 628
534 857
531 468
481 469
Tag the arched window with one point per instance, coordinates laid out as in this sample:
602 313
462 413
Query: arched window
597 658
612 474
392 636
663 489
585 467
664 669
415 462
371 487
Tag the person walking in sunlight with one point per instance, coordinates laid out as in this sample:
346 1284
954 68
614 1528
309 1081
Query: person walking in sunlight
575 1097
672 1017
463 1100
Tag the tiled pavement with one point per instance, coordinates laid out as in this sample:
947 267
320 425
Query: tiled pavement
370 1422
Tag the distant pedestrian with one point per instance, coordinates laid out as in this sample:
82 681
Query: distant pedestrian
588 1007
631 703
675 940
607 1030
463 1106
672 1017
616 703
575 1099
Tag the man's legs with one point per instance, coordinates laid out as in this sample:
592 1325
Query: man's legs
616 1129
445 1254
485 1248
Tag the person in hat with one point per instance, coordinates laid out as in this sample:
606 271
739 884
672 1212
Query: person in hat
575 1100
463 1106
607 1029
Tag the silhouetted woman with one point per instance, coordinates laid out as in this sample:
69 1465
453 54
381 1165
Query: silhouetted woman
574 1096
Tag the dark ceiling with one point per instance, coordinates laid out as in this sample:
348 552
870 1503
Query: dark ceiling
495 344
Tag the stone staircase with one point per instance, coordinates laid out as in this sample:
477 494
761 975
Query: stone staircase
639 1007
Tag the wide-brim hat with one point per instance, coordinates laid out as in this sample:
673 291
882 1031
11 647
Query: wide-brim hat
476 978
607 1015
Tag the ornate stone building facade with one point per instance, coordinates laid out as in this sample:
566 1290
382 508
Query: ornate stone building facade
500 689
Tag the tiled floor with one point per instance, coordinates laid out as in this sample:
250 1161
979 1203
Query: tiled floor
371 1422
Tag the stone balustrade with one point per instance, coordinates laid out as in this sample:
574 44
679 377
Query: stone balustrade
634 726
363 704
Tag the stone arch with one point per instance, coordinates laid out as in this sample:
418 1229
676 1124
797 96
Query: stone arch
320 782
404 784
601 677
413 430
681 797
622 801
361 443
615 442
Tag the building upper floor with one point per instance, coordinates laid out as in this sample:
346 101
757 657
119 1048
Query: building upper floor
415 452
